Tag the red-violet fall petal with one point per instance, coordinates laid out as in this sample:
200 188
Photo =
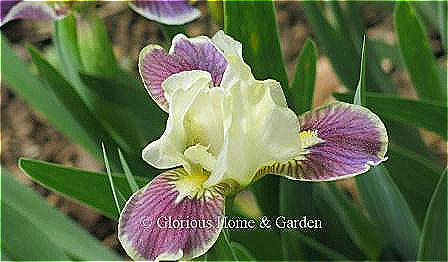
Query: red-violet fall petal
12 10
340 140
147 226
170 12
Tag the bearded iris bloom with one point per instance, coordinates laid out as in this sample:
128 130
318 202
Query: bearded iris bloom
34 10
170 12
226 130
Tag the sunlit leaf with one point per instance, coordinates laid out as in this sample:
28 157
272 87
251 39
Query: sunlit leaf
260 40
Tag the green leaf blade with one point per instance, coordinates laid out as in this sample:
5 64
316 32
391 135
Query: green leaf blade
119 205
302 87
389 211
260 40
241 252
89 188
115 119
222 250
19 233
340 38
340 50
39 96
71 100
130 178
326 251
433 244
23 205
361 230
95 48
307 198
417 53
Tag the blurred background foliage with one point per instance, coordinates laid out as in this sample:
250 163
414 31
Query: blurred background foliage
82 80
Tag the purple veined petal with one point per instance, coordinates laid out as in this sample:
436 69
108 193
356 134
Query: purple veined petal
348 139
186 54
146 226
6 7
170 12
12 10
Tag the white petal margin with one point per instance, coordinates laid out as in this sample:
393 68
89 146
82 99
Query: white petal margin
177 12
146 226
195 118
30 10
148 76
259 127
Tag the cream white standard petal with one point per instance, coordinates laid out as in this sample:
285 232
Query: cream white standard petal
228 45
194 131
187 79
167 151
204 122
259 129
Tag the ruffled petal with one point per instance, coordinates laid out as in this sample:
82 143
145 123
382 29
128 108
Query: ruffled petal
170 12
145 230
339 141
195 118
228 45
259 128
167 151
185 55
12 10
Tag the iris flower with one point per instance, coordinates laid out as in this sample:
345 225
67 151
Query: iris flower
226 130
35 10
170 12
